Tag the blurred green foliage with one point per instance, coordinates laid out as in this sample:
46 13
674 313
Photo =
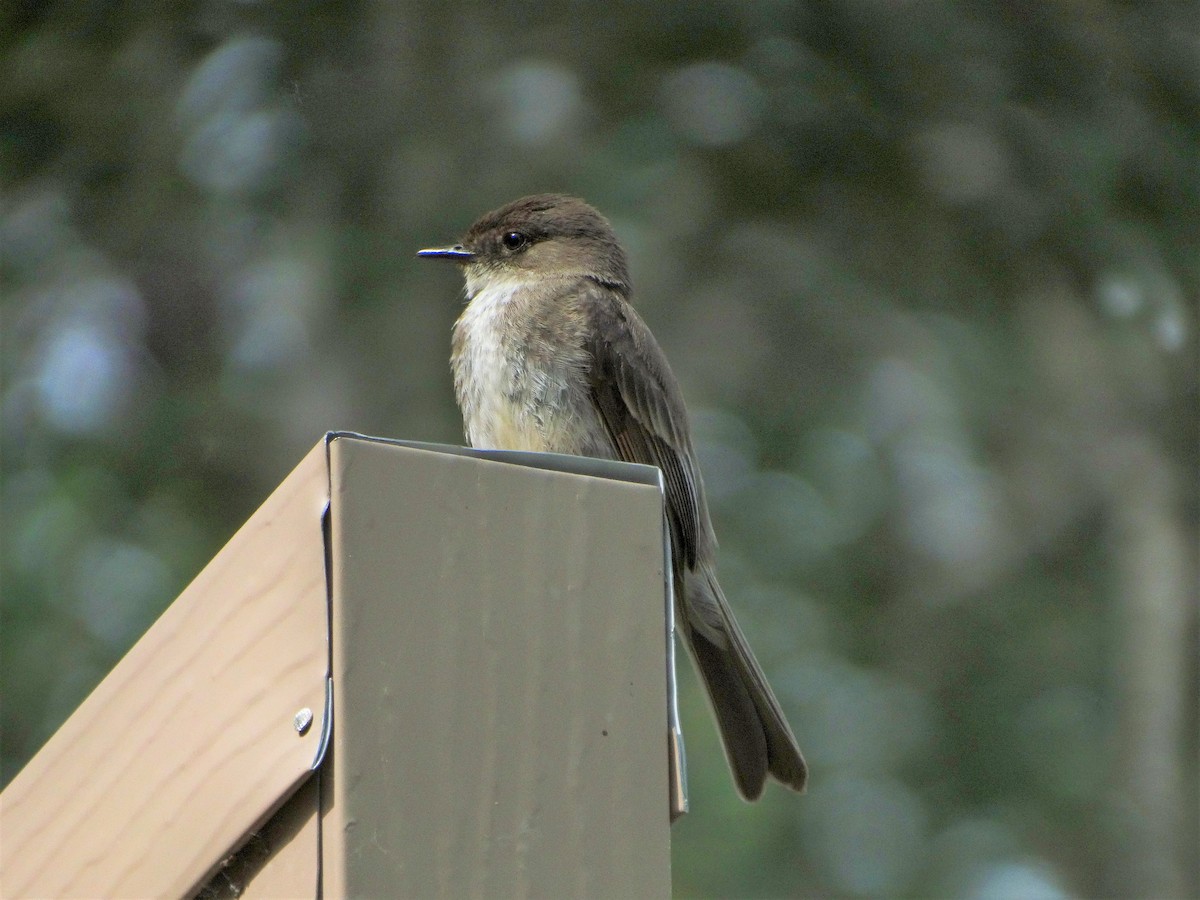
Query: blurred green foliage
928 272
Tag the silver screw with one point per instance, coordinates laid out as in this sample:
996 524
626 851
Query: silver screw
302 720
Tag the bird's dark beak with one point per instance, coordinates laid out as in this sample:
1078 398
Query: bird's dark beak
458 253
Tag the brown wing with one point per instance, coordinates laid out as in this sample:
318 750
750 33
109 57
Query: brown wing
642 407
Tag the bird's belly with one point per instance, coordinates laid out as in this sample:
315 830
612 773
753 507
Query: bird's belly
500 424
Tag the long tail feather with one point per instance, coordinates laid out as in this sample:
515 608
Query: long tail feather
755 734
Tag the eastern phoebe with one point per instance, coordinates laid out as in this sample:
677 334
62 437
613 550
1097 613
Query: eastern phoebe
549 355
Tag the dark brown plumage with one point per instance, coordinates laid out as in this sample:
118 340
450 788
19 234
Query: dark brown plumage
550 355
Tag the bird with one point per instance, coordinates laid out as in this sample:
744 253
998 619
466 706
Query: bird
549 355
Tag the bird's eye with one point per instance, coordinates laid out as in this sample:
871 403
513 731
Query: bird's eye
514 240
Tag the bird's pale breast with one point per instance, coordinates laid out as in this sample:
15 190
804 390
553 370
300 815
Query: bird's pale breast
514 392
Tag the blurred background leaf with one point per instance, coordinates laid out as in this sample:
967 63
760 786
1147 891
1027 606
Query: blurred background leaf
928 272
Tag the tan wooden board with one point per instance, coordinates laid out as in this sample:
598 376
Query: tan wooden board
189 743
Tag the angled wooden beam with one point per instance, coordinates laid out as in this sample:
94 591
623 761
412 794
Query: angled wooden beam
189 743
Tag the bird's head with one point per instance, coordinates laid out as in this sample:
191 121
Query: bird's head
541 236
